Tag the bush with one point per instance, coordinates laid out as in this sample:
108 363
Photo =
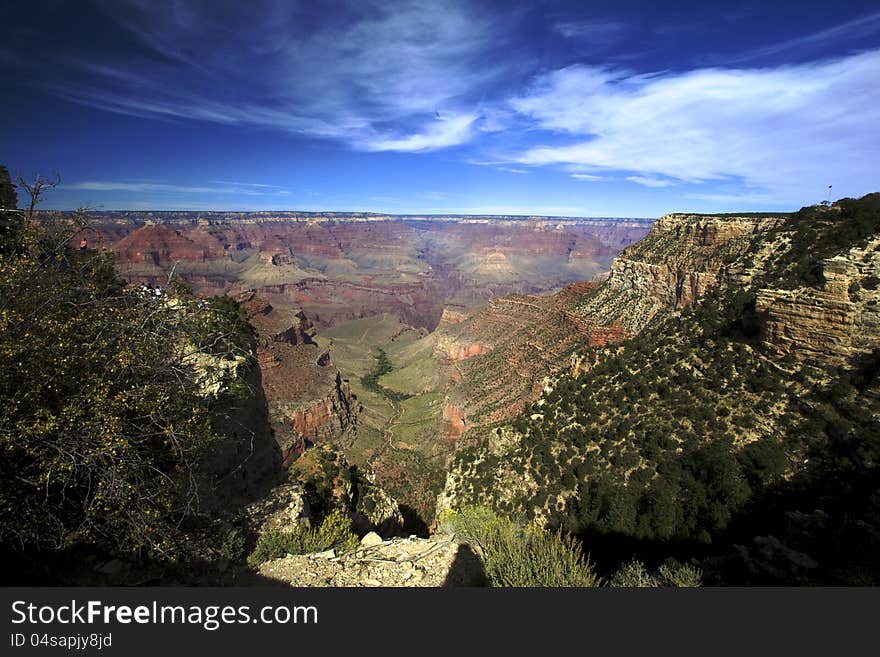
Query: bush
103 422
232 547
519 556
334 533
871 283
634 574
681 576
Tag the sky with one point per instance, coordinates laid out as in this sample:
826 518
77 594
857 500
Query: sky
623 109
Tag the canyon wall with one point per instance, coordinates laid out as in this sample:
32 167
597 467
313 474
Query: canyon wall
681 258
308 400
836 323
337 267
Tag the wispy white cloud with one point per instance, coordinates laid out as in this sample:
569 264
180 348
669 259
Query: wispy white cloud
586 176
497 165
648 181
440 133
404 75
244 184
598 33
852 30
785 130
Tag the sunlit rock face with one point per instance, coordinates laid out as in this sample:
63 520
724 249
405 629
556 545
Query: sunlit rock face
834 324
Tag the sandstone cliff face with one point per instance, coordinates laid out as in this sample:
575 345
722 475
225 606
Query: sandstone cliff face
308 399
453 422
669 285
328 417
681 258
834 324
457 350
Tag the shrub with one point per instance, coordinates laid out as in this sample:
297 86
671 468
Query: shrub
519 556
870 283
634 574
104 424
232 546
680 575
334 533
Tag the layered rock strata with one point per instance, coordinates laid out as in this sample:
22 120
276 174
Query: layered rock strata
834 324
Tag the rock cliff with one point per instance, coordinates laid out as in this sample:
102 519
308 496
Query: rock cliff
681 258
308 399
835 323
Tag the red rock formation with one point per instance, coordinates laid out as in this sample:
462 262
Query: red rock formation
453 422
358 266
454 351
308 399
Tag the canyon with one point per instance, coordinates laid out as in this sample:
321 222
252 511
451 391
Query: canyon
459 304
395 369
336 267
478 320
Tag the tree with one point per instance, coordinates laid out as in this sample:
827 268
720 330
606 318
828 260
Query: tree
8 197
102 419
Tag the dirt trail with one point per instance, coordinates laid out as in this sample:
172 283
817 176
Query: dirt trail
388 430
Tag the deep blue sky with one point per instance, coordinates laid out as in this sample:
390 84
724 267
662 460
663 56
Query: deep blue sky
591 109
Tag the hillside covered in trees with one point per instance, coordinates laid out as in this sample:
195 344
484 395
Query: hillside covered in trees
721 433
111 399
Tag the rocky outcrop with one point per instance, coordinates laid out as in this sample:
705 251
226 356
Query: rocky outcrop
285 506
670 285
336 484
375 509
453 422
328 417
308 399
450 317
440 560
247 460
680 260
834 324
457 350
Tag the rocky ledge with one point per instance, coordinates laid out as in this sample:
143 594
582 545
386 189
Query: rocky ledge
440 560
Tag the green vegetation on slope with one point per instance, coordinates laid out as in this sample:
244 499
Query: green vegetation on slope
516 555
371 380
103 421
334 533
689 434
